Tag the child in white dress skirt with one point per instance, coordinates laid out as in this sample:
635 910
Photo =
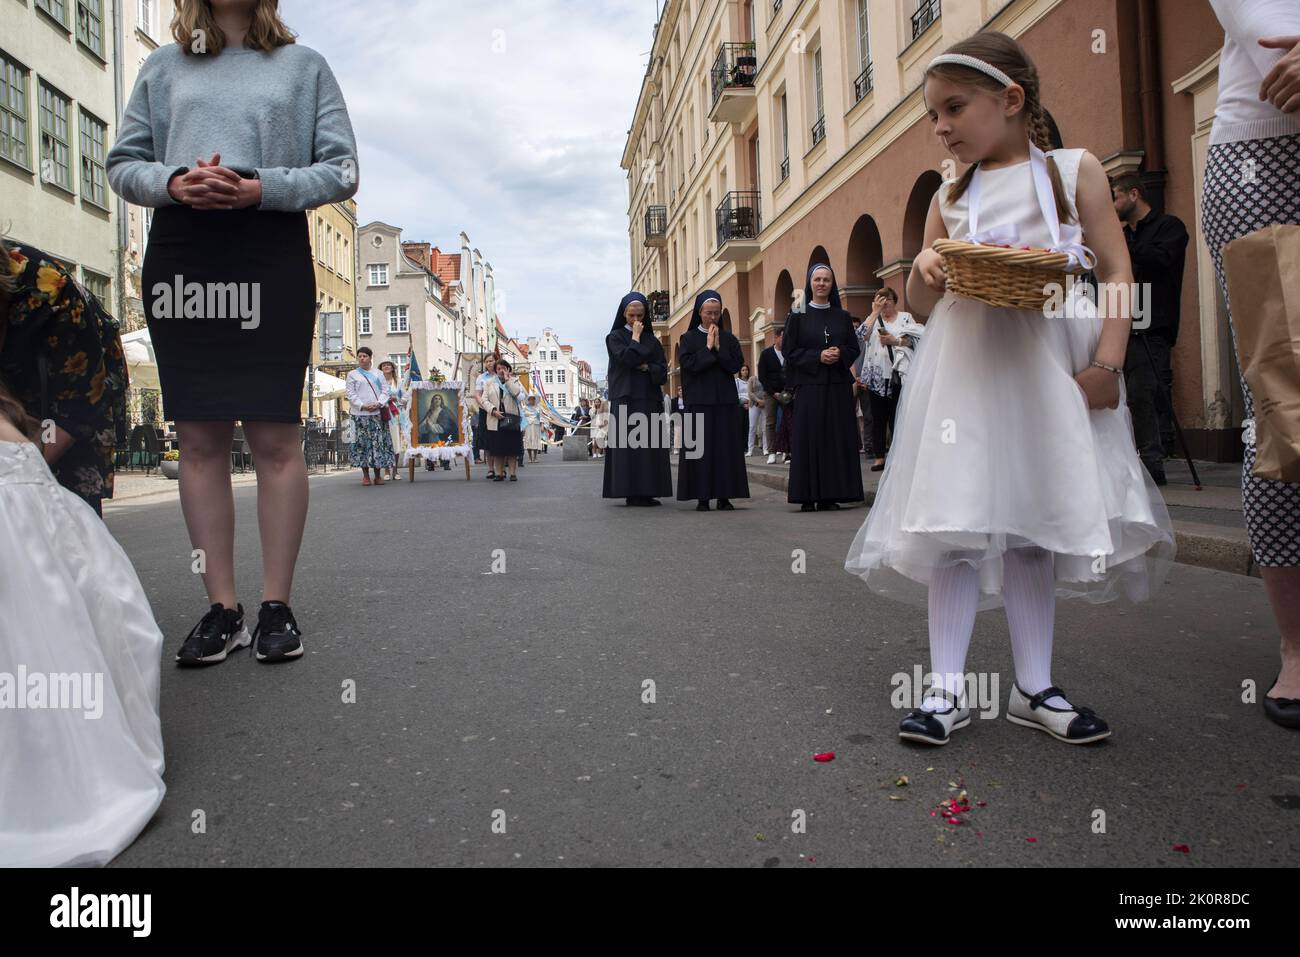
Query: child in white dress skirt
79 781
1013 478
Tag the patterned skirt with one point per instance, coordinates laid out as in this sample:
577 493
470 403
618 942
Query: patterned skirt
1250 185
372 446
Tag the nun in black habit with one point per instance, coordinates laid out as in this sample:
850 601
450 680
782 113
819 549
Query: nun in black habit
820 349
711 463
636 459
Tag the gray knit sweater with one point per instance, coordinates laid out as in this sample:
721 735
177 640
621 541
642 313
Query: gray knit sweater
280 113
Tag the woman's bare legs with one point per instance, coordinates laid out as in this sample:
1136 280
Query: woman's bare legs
282 497
208 503
1283 587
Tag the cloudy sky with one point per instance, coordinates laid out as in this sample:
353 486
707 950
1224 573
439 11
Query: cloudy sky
505 119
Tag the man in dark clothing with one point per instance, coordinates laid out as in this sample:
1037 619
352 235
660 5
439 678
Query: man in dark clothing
1157 246
771 376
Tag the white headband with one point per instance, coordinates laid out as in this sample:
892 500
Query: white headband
709 300
961 59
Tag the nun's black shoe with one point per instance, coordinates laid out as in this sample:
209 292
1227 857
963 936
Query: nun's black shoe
807 507
1283 711
724 505
878 468
702 507
828 506
652 501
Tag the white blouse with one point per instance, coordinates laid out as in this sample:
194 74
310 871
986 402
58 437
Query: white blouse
360 392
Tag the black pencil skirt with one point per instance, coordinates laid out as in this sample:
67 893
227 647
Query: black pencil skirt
230 299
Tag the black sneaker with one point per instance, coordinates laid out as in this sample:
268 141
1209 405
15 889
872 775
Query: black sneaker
276 637
218 633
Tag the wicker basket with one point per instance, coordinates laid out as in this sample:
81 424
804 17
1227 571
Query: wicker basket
998 276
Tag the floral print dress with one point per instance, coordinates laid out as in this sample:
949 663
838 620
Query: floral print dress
60 333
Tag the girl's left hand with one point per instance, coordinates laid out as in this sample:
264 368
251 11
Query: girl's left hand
1100 388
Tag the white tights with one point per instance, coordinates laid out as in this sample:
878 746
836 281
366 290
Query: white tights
1028 590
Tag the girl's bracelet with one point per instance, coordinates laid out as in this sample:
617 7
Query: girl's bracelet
1102 365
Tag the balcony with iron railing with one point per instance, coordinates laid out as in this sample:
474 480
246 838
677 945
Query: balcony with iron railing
863 84
660 308
656 226
785 168
732 76
819 130
738 223
926 13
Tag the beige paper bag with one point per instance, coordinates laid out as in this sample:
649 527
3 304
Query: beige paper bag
1263 274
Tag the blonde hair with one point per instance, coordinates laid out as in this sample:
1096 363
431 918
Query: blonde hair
1001 51
266 32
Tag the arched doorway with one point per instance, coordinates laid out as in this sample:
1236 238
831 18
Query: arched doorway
918 205
866 256
819 255
783 301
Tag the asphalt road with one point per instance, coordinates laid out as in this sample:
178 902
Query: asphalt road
514 701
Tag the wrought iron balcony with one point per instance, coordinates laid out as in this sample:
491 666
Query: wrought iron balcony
863 84
925 15
656 226
738 223
785 169
733 83
819 130
660 308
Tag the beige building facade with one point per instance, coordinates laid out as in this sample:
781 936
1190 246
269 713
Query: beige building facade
58 116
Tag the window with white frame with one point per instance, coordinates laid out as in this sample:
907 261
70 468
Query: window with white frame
559 377
397 320
13 112
864 37
379 274
548 377
55 163
363 320
561 401
90 25
147 17
94 181
99 286
58 9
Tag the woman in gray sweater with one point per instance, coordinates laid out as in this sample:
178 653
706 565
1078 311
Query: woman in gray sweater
231 133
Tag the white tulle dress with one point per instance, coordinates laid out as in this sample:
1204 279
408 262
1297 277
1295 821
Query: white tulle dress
995 447
75 788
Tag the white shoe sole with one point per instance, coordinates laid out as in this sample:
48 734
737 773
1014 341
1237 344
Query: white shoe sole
912 736
1026 723
242 639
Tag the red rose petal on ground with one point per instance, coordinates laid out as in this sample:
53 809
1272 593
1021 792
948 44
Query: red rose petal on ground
824 756
1182 848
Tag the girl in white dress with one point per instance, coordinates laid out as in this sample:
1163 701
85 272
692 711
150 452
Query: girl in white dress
78 781
1013 477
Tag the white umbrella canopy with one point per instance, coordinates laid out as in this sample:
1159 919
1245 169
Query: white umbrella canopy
141 363
329 386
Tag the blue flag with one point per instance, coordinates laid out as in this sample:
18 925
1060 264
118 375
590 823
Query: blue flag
414 373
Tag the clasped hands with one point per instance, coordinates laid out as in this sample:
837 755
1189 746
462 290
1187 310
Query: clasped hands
213 186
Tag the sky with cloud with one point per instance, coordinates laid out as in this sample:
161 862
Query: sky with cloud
506 119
